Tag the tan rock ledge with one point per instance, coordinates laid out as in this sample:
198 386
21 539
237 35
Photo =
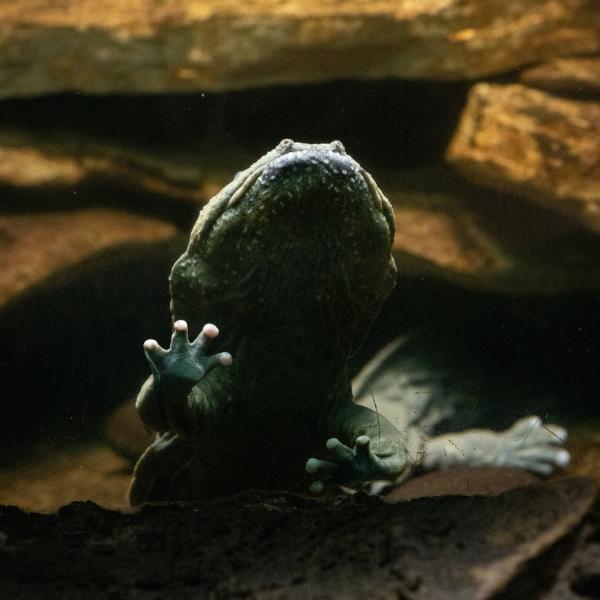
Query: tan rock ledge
571 75
105 46
31 161
36 247
482 240
522 140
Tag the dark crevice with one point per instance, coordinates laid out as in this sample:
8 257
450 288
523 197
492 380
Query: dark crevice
398 123
98 194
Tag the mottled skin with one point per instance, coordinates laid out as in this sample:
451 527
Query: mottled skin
292 261
293 270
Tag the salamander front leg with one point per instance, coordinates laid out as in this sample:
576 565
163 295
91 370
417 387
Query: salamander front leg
163 403
354 467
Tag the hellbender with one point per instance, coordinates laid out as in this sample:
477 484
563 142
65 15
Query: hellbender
293 261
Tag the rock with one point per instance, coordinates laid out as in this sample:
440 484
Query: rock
36 247
581 574
467 235
29 160
584 446
279 545
518 139
463 481
494 578
576 76
216 45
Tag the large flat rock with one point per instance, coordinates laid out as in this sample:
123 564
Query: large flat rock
514 138
34 162
147 46
486 240
278 545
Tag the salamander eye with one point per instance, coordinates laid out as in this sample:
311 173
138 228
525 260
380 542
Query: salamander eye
285 143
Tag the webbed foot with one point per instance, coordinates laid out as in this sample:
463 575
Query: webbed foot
531 445
353 467
185 363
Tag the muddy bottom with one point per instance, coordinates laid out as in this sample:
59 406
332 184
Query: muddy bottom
526 543
477 532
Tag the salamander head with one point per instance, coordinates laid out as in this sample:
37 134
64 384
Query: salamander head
303 232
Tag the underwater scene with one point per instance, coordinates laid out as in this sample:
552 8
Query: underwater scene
300 299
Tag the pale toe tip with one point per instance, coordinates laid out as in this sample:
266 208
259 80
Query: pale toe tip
225 359
312 465
563 458
150 345
210 330
316 487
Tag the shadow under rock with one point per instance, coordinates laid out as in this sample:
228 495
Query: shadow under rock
72 347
